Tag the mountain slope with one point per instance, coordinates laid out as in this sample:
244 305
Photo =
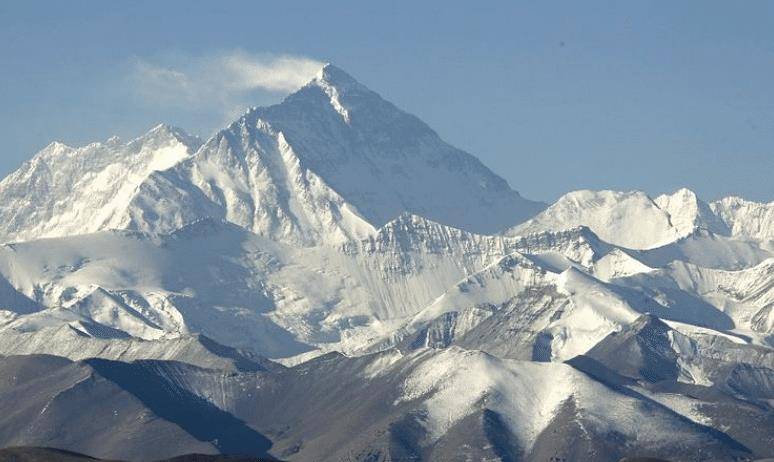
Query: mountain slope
64 191
331 163
649 349
633 220
706 249
335 224
33 454
746 219
517 309
105 408
741 299
246 291
83 340
629 219
429 405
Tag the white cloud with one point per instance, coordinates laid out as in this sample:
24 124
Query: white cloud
281 73
222 81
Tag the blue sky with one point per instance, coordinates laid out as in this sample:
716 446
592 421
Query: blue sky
553 96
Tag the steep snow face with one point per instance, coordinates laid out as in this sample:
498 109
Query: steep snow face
336 135
706 249
596 310
687 212
239 288
635 221
746 219
741 300
617 263
564 313
628 219
65 191
494 284
249 175
244 290
332 163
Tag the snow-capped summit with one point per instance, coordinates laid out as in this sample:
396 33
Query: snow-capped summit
746 219
634 220
384 161
331 163
336 223
338 85
687 212
337 77
161 133
629 219
65 190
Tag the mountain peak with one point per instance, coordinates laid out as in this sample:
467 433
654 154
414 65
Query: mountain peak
684 196
686 192
339 86
54 148
332 142
687 212
163 128
94 184
165 133
627 218
630 219
336 76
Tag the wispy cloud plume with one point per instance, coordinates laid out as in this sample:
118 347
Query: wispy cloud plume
281 73
223 81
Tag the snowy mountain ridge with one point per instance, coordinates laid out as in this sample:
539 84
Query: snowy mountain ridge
635 220
333 187
414 298
65 190
331 163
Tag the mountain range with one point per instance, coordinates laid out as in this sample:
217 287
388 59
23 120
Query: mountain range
327 279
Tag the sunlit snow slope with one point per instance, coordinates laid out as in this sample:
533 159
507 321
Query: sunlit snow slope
476 324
